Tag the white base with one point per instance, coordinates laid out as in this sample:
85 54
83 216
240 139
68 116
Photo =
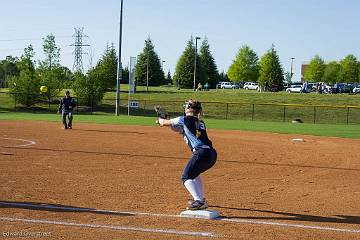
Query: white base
207 214
298 140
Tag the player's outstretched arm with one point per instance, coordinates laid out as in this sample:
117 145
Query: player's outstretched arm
164 122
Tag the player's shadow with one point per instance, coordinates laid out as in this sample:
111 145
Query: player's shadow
180 158
96 152
58 208
290 216
107 131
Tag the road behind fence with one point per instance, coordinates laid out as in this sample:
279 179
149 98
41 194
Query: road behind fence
217 110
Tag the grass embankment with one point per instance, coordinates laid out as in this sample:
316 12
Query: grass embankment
235 104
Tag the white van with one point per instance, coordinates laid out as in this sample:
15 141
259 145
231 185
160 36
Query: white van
227 85
251 86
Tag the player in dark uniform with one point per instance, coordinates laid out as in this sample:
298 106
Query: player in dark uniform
66 107
203 154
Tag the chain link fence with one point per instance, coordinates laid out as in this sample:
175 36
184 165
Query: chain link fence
217 110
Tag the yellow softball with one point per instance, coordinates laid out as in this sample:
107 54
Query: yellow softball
43 89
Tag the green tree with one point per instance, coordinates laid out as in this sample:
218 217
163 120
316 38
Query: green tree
148 65
271 71
50 69
184 71
223 77
108 67
287 77
209 66
125 75
315 71
89 89
245 67
8 69
25 88
332 72
66 75
349 69
169 78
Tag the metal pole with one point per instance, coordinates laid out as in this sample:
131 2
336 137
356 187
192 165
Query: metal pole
196 38
284 117
5 83
129 87
147 73
291 69
147 64
253 111
227 110
119 68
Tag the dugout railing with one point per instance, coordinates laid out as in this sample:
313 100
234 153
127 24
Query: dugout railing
326 114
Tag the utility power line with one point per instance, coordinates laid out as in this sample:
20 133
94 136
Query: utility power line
78 52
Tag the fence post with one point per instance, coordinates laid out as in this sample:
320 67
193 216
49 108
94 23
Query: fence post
144 107
253 110
92 105
227 110
347 116
314 114
284 114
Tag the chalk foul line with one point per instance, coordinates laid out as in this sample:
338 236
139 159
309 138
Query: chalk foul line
119 228
237 220
160 215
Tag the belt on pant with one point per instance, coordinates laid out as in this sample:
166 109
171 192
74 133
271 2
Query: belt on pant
203 147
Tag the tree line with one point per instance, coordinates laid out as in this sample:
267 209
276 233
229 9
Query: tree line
347 70
24 76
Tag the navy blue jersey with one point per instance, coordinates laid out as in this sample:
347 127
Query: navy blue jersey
194 131
67 104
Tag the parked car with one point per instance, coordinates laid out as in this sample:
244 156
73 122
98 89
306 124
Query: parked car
227 85
251 86
327 88
356 89
312 86
294 89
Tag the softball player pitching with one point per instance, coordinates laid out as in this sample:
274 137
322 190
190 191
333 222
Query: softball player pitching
203 154
66 106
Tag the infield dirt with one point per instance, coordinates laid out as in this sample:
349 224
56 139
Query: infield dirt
272 185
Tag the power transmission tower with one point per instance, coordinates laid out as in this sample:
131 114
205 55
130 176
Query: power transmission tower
78 52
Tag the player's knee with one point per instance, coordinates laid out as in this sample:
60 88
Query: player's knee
187 176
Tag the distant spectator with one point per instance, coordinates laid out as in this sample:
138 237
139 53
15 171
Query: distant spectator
304 87
320 88
199 87
206 86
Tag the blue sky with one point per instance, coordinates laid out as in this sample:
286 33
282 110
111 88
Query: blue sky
299 29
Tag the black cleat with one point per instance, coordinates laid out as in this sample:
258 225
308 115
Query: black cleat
197 205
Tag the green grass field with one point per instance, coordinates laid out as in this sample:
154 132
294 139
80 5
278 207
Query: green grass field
237 104
345 131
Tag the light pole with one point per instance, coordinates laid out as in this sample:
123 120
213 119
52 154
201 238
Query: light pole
147 65
119 67
196 38
291 68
